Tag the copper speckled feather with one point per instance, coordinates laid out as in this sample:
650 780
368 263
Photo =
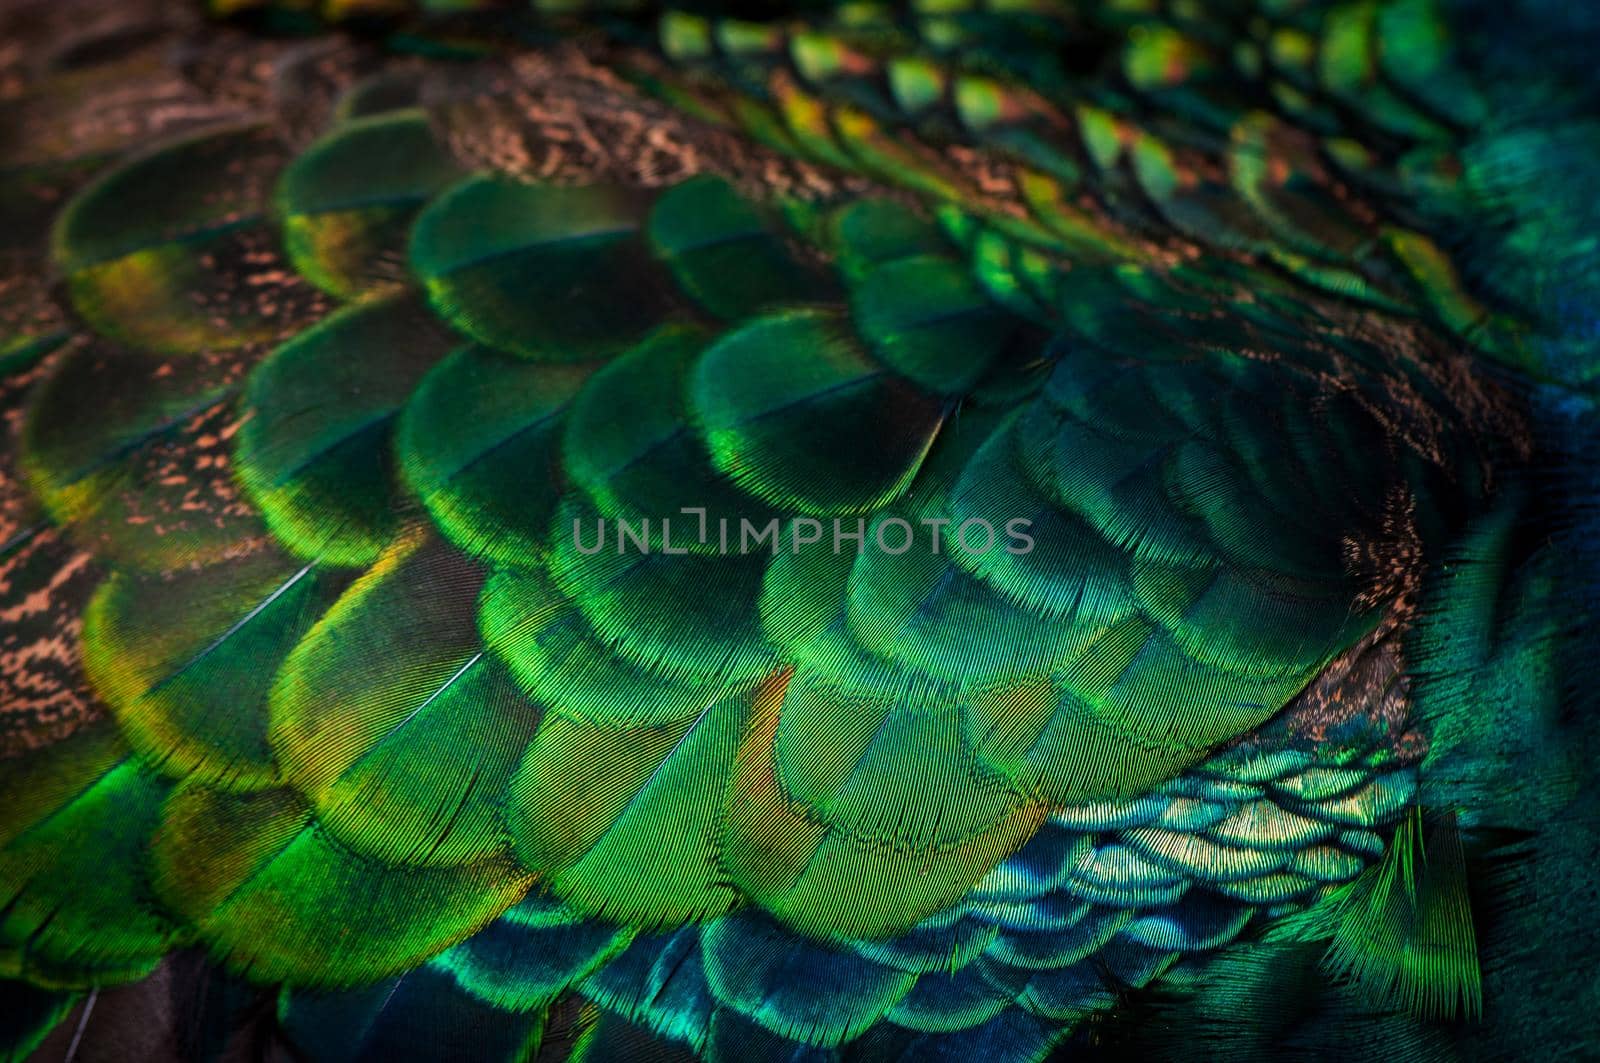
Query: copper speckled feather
862 532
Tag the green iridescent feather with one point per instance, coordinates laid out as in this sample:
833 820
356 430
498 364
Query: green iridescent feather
479 479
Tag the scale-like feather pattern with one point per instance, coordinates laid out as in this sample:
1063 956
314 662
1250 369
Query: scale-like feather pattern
1026 450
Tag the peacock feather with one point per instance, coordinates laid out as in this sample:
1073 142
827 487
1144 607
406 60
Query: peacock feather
864 532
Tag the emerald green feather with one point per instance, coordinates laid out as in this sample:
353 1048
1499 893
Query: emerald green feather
404 757
512 266
651 609
924 318
261 881
50 780
613 1037
1054 743
1403 931
918 609
186 661
1163 696
558 658
321 471
346 202
628 819
1247 620
1414 52
632 448
1066 569
479 442
724 254
795 413
77 905
827 879
1013 275
1113 485
872 232
898 773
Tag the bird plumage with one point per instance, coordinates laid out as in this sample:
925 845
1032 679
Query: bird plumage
878 533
